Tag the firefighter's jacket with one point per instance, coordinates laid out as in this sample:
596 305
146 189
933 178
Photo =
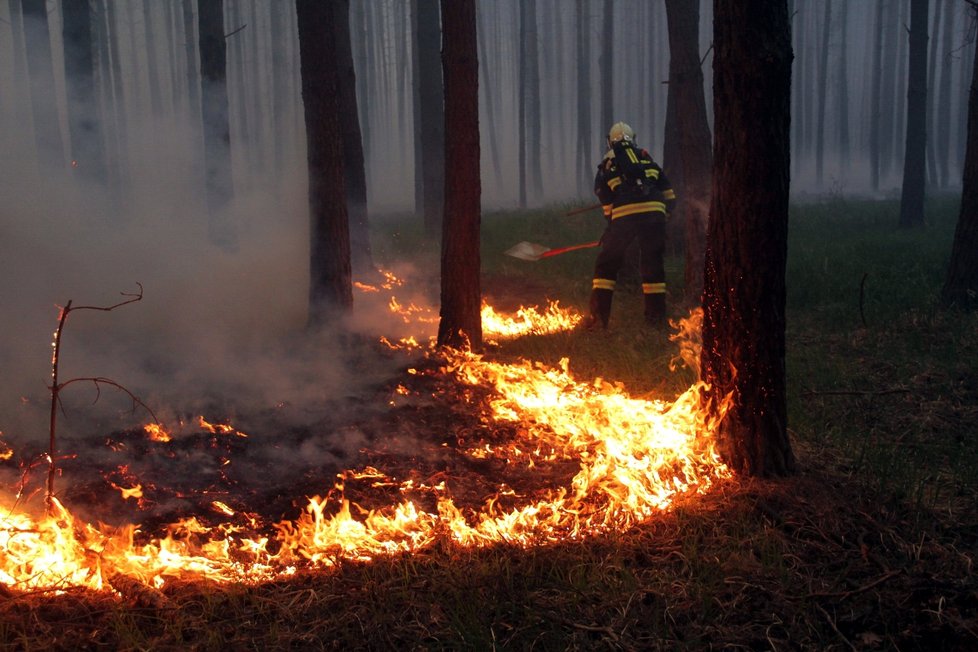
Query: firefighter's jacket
629 182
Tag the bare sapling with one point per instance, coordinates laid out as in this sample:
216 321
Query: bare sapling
98 381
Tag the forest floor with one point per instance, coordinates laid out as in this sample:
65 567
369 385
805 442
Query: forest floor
870 546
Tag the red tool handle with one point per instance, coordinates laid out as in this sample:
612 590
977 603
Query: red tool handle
564 250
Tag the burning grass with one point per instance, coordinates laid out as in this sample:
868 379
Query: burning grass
872 547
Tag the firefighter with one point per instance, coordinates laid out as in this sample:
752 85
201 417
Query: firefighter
636 198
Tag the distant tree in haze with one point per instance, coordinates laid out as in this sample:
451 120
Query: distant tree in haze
875 99
961 285
330 275
942 117
606 66
530 91
355 174
842 81
461 293
431 112
743 352
40 69
695 146
584 154
217 130
914 161
822 95
84 126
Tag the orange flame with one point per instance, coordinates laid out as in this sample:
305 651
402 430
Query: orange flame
634 458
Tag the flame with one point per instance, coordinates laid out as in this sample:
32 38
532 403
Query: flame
528 321
219 428
157 432
634 458
132 492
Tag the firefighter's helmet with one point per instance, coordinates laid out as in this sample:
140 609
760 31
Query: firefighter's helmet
620 131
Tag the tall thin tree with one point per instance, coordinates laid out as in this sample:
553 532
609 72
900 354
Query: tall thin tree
84 124
355 174
961 284
914 161
584 153
743 354
216 123
695 147
432 106
40 69
461 294
330 275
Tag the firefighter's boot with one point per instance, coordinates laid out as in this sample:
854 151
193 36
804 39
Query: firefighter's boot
655 310
599 308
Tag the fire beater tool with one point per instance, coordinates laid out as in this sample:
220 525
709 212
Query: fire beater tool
534 252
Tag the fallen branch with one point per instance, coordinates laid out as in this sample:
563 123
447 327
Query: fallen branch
142 595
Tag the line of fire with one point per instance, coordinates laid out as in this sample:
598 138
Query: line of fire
543 457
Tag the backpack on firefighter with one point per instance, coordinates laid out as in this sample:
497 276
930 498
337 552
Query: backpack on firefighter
631 161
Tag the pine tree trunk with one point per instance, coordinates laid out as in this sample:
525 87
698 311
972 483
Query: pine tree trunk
961 285
931 175
875 152
532 91
488 83
431 85
355 174
217 130
943 117
843 89
695 140
40 70
330 276
914 168
823 88
743 353
461 296
84 126
584 152
606 65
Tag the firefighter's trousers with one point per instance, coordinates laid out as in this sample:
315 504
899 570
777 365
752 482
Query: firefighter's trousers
649 229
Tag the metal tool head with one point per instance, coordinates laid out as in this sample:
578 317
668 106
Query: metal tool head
527 251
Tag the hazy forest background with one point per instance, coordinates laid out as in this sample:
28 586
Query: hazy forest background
71 231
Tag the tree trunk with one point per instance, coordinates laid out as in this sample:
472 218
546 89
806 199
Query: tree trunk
217 131
355 174
914 168
521 161
584 153
281 107
961 285
330 276
943 133
823 77
931 171
875 162
607 66
84 126
490 104
842 98
152 60
695 146
40 69
743 353
461 296
531 90
429 43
